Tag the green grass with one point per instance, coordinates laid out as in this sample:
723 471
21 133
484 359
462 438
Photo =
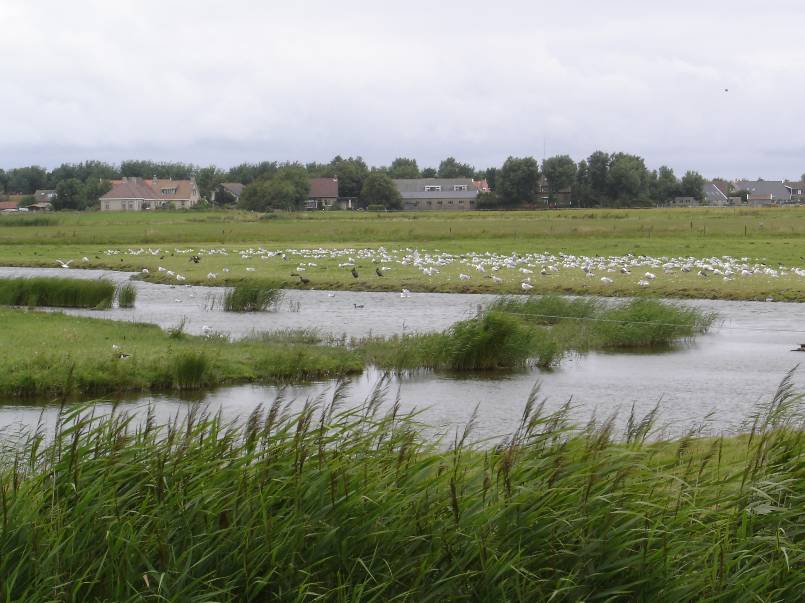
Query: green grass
56 292
54 355
772 235
335 504
251 298
514 332
126 295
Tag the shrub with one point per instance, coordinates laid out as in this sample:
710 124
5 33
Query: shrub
251 298
494 341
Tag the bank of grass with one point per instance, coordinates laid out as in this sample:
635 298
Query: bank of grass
539 330
247 297
53 355
338 504
57 292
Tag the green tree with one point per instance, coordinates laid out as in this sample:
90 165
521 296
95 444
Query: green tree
402 167
351 173
26 180
95 188
692 185
70 194
582 189
450 168
207 179
491 177
560 172
667 185
598 170
378 189
429 173
3 180
518 180
627 179
287 190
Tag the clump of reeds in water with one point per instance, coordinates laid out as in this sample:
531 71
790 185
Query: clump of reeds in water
57 292
251 298
126 295
349 504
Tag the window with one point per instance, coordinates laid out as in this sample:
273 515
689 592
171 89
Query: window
107 204
430 203
433 188
450 202
459 187
169 191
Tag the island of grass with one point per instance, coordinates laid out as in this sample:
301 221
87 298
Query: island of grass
51 354
356 505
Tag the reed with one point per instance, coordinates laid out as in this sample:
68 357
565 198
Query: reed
341 504
251 298
126 295
191 370
57 292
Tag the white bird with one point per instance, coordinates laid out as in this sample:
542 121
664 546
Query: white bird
206 329
64 264
331 294
250 269
145 271
212 275
405 293
497 279
179 277
464 277
526 286
643 283
226 269
650 276
85 259
606 280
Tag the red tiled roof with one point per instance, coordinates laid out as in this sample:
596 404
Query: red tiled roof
137 188
323 188
8 205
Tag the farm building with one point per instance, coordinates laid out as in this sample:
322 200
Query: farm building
437 193
137 194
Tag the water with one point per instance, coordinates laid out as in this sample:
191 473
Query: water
717 380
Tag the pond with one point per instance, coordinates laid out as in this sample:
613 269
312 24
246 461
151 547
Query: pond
717 380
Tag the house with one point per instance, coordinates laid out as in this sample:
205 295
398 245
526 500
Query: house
228 192
137 194
8 206
44 206
437 193
323 193
561 198
44 195
764 192
715 196
796 190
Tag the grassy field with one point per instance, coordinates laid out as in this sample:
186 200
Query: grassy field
771 236
352 505
51 354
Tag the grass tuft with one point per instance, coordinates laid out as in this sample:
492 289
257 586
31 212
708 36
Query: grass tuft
251 298
126 295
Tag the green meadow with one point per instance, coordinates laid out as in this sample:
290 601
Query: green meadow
772 236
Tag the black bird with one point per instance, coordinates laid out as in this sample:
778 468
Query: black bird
378 272
357 306
195 259
354 272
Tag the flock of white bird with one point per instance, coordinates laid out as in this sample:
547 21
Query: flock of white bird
638 269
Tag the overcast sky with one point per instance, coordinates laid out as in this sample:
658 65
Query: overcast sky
223 82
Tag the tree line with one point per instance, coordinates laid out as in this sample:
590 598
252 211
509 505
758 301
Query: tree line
601 180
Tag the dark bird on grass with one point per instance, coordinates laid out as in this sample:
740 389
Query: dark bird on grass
354 272
378 272
357 306
195 259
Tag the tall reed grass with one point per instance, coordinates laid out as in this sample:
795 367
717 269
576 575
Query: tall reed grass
57 292
337 504
251 298
126 295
